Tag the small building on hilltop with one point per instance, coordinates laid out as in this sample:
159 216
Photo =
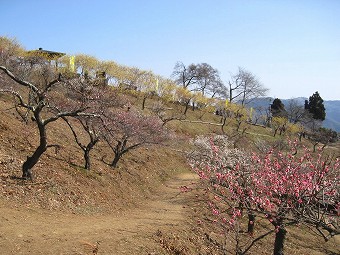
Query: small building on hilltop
51 56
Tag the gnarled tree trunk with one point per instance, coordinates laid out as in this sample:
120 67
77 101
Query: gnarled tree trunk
32 160
115 160
87 151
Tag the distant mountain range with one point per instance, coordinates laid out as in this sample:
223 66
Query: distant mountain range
332 115
332 109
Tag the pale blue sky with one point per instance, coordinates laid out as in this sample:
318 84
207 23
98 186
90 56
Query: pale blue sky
292 46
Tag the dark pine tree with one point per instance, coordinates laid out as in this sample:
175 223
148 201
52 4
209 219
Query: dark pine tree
316 107
277 108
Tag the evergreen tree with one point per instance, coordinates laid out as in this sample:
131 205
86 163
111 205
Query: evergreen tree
277 108
316 107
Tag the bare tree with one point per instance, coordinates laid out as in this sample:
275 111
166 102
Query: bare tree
209 81
199 77
91 127
185 76
245 86
296 112
322 135
104 98
44 104
164 114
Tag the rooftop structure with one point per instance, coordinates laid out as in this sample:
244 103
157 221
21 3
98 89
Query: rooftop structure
49 55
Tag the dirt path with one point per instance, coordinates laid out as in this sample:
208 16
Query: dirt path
27 231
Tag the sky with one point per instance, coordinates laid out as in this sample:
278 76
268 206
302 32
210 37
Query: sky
291 46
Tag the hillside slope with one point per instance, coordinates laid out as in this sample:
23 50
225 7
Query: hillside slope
137 208
60 180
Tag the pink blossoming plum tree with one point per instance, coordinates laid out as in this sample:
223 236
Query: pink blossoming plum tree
292 189
286 188
127 130
224 169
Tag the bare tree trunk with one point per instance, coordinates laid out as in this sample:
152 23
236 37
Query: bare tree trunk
32 160
143 103
115 160
87 159
87 151
224 119
186 107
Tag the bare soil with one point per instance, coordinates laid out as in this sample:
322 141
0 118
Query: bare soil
134 231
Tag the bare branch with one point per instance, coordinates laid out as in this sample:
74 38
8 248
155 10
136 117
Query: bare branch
19 81
19 97
74 133
78 112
